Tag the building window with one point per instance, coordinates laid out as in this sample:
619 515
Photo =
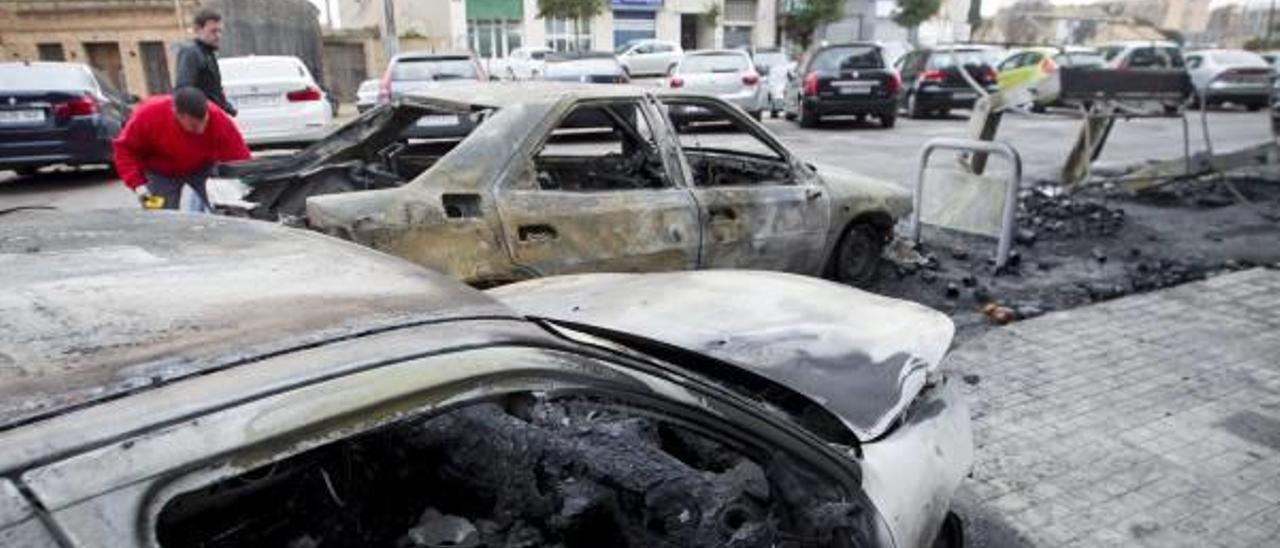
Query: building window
492 39
568 35
739 10
51 52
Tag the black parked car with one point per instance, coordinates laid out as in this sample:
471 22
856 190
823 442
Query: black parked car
57 113
843 79
934 84
592 67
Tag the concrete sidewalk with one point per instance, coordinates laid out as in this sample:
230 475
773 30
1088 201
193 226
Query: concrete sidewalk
1152 420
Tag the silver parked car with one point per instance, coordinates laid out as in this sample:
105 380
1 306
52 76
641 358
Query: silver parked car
272 387
649 57
367 95
1230 76
727 74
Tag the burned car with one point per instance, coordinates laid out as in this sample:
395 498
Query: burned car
563 178
175 380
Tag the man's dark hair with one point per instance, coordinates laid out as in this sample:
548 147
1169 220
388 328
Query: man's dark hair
204 15
190 101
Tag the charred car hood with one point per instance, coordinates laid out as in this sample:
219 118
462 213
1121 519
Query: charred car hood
860 356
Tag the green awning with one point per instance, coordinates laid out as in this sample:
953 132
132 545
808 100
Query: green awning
505 10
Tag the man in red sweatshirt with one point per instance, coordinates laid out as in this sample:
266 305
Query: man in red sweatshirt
175 140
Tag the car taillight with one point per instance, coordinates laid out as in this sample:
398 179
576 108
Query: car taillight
933 76
811 84
1047 65
309 94
750 78
384 93
895 83
677 83
80 106
989 74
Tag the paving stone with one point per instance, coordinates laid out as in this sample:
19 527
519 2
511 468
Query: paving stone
1151 420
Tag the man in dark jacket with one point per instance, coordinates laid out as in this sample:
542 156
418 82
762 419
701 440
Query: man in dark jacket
197 63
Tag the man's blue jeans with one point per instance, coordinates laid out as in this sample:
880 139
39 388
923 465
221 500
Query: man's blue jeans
171 188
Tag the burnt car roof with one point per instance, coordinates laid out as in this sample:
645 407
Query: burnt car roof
95 305
861 356
501 94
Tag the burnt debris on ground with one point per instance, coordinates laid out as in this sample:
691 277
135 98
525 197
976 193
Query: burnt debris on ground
522 472
1096 244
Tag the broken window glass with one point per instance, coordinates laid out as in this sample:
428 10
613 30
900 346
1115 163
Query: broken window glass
525 470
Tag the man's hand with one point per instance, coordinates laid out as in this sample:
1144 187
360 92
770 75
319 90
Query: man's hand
147 199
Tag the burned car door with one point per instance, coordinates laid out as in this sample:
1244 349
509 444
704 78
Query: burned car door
757 209
596 193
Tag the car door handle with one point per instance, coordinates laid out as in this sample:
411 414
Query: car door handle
537 233
812 194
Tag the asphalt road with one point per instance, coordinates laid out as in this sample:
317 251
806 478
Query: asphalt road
890 154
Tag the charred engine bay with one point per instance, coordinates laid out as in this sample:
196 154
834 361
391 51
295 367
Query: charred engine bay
570 473
1094 245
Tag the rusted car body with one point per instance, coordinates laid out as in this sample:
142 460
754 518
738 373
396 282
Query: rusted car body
569 178
176 380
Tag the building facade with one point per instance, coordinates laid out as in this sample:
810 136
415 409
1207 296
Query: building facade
127 41
494 28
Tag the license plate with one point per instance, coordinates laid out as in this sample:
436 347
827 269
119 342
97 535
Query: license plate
255 100
852 83
21 116
853 91
964 95
438 120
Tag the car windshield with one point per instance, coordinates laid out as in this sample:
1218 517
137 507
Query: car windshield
1232 58
259 69
19 77
716 62
947 59
1079 59
848 57
1109 53
437 68
625 45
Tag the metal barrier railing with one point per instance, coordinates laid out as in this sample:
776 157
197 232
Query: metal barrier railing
1008 219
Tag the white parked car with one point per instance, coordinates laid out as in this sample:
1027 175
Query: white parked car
649 57
278 99
727 74
1230 76
527 63
367 95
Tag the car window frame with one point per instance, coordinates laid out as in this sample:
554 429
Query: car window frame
144 497
526 162
798 168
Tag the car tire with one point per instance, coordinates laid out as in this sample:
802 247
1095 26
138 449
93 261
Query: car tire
857 256
808 118
1255 107
888 119
944 113
913 108
951 534
757 114
773 113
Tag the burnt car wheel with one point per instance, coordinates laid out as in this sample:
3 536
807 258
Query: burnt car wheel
857 257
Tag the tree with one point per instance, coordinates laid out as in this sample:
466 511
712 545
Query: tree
572 10
911 13
804 18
